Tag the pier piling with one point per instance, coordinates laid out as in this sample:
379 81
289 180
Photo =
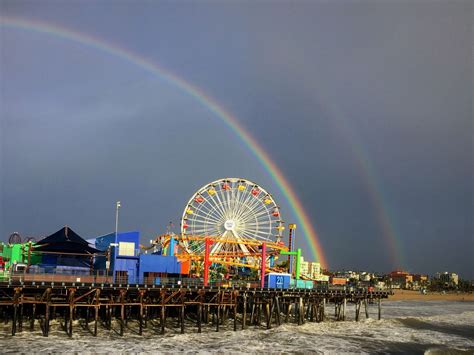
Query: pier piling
133 306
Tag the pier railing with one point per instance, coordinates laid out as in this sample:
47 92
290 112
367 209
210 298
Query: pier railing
73 276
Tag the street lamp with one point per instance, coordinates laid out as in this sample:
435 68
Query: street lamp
117 205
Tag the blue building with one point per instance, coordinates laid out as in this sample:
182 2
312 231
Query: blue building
124 248
128 266
153 266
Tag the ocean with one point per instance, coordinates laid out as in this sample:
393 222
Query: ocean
429 327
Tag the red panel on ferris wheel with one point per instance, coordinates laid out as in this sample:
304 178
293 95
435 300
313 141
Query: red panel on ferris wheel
255 191
225 186
199 199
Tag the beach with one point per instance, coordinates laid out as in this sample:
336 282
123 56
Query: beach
405 295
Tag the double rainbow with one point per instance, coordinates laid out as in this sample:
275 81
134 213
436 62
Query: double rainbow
303 220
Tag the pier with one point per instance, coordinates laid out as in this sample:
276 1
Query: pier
26 305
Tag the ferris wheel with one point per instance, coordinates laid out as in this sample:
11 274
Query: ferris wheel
235 211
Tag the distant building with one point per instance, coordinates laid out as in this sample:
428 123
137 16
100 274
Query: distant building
449 278
337 280
348 275
422 279
401 279
419 281
310 269
321 278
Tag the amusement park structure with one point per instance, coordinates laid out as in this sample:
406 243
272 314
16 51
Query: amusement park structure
230 236
231 222
231 229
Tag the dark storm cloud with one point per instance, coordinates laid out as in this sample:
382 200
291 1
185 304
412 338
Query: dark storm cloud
319 85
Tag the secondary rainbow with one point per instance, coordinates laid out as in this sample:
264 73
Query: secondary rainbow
372 183
231 122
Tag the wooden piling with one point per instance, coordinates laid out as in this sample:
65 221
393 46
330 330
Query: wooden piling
380 308
152 304
244 311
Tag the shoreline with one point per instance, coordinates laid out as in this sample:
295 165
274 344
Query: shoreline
409 295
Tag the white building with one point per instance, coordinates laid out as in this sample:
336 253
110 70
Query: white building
310 269
449 278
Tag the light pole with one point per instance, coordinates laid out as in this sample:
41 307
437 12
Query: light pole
117 205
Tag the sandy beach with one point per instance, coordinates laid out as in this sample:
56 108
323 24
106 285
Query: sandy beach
403 295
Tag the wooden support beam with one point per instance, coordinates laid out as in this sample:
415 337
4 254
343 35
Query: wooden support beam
32 316
268 313
199 317
357 309
277 309
244 311
344 309
96 309
181 318
235 316
162 318
323 311
288 312
122 311
300 311
47 298
140 314
380 308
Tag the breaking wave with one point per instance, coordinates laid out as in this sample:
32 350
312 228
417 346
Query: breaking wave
408 326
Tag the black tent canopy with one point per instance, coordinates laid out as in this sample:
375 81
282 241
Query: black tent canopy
65 240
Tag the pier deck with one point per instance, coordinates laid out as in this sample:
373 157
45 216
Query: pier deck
151 306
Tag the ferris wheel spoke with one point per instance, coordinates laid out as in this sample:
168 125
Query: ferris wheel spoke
235 199
221 204
206 214
264 225
257 219
258 215
203 232
226 196
201 222
260 235
244 197
252 207
249 234
217 203
225 205
217 207
258 204
250 216
215 212
205 209
244 202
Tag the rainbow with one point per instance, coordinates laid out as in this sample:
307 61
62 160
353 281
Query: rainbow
200 96
373 185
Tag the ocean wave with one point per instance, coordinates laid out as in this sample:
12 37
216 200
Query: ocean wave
446 330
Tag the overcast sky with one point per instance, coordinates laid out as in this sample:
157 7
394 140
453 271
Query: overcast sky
366 107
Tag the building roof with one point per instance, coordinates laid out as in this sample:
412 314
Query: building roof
65 240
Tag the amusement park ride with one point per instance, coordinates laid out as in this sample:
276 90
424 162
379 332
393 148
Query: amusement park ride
229 222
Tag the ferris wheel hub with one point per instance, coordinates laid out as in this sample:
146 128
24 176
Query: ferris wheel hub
229 225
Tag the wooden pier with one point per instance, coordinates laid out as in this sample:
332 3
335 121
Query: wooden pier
25 304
